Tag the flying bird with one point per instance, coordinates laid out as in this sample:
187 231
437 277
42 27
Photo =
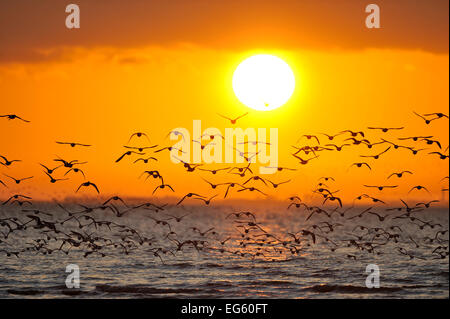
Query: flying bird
279 169
140 149
13 117
252 189
88 184
128 153
353 134
50 170
233 121
175 133
69 164
310 137
18 181
419 187
73 144
385 129
75 170
8 162
231 185
378 155
333 198
189 195
414 138
431 142
54 180
206 201
361 164
337 147
145 160
276 185
358 142
214 171
163 186
428 204
400 174
169 148
428 120
380 188
17 196
438 115
139 135
441 156
303 161
331 137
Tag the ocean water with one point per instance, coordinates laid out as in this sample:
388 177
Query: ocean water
265 262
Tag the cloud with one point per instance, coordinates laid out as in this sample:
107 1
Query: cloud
28 28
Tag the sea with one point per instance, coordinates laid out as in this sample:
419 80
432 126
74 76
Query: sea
269 253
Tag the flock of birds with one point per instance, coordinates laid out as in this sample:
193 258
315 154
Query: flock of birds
107 228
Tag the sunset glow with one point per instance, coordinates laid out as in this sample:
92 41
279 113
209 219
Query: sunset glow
235 150
263 82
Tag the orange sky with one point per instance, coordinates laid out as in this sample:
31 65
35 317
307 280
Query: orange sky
103 86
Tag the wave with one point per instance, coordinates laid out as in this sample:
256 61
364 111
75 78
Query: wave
219 284
182 265
277 272
143 290
25 292
212 265
235 267
442 273
268 283
350 289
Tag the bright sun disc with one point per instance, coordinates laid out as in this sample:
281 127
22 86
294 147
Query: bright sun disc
263 82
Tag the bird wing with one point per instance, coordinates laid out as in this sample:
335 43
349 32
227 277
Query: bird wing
224 116
241 116
385 150
419 115
121 157
181 200
22 119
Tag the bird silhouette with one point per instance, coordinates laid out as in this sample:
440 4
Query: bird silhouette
234 120
419 187
400 174
441 156
361 164
72 144
138 135
377 156
54 180
14 117
18 181
88 184
7 162
128 153
386 129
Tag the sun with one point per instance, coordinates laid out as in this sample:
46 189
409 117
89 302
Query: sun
263 82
